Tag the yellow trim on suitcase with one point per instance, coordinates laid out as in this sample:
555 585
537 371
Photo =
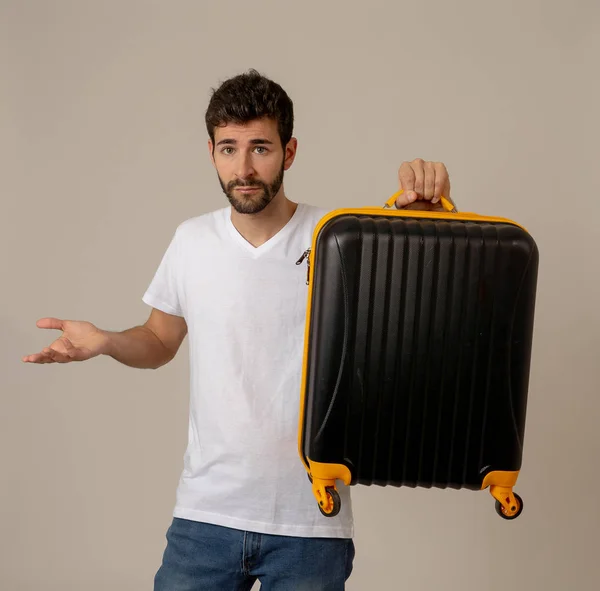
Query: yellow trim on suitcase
446 203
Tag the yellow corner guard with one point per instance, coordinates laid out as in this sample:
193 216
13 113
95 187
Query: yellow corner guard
323 477
508 504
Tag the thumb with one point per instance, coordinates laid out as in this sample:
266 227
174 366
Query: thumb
404 198
54 323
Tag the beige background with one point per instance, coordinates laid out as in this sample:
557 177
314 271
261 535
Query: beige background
103 154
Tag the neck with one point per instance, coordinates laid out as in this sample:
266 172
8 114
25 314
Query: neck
259 227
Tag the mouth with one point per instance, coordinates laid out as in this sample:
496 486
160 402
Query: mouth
247 189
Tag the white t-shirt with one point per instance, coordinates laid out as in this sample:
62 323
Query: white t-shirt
245 309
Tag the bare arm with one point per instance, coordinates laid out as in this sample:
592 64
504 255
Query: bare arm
148 346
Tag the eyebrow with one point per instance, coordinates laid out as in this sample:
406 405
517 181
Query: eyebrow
256 141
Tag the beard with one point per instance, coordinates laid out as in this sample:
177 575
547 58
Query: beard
257 201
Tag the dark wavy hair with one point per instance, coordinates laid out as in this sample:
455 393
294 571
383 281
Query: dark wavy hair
250 96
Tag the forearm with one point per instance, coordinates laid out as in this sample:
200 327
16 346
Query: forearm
137 347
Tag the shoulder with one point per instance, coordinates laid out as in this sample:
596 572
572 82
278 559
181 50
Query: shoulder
314 213
201 225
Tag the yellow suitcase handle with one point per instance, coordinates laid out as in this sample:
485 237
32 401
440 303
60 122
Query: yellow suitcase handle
446 204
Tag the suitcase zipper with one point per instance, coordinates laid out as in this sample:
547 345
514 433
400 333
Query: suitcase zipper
305 255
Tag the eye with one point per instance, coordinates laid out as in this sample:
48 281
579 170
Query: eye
225 150
264 150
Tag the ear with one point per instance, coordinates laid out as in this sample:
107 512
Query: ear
290 153
210 152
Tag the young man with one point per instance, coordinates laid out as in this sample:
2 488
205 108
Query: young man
244 509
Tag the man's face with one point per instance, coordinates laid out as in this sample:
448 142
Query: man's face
250 163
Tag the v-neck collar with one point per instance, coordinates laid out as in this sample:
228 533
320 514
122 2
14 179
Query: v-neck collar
256 251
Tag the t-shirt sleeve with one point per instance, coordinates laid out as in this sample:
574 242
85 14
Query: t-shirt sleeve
164 291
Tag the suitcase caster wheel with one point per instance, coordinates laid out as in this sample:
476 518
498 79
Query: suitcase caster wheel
335 503
515 511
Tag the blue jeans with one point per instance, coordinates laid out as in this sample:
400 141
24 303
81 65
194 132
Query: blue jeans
203 557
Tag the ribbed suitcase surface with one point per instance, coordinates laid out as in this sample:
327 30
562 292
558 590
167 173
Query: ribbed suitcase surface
418 353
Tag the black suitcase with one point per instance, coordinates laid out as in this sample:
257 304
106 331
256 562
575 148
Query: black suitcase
417 352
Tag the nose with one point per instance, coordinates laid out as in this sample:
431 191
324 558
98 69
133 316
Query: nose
245 170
